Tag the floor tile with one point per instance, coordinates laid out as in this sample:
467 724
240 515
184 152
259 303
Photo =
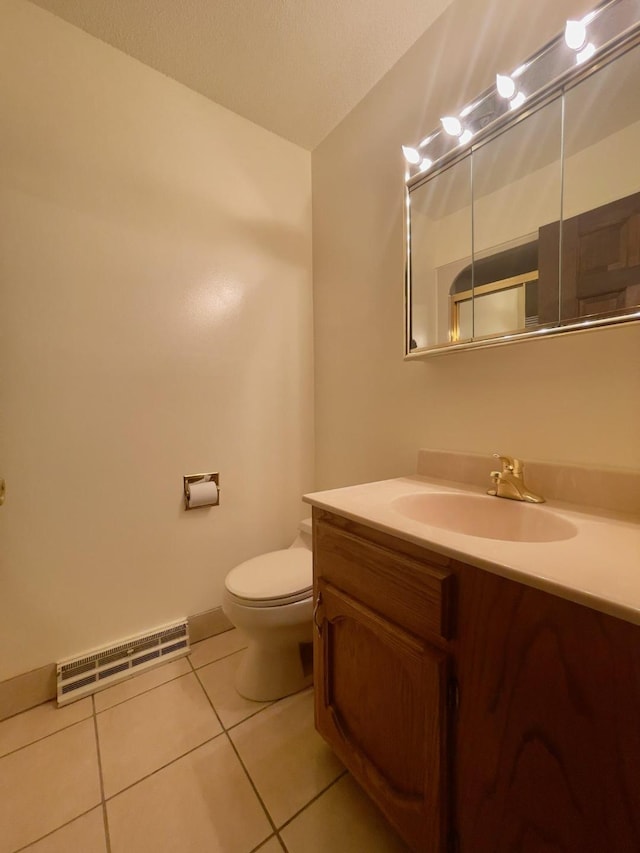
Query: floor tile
217 680
47 784
203 801
39 722
286 758
217 647
144 733
272 846
342 820
141 683
86 834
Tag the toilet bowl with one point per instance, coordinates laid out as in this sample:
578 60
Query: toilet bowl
270 599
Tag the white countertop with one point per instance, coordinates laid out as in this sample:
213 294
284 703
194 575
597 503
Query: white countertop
599 566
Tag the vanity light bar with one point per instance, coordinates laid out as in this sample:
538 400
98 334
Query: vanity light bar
571 48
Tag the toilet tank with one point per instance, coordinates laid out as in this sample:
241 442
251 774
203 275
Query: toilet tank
303 539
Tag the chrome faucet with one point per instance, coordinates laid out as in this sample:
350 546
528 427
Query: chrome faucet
509 483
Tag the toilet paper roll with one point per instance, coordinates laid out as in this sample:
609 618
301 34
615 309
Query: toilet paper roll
202 493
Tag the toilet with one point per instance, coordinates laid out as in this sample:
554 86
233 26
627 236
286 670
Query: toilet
270 599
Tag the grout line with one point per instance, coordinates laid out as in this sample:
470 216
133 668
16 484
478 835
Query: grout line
26 710
251 782
53 831
104 802
141 693
312 800
177 757
44 737
251 715
259 846
215 660
233 746
263 705
162 767
186 658
242 764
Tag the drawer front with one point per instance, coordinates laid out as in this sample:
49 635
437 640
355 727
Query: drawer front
410 592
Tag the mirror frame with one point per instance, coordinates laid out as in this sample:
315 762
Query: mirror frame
449 151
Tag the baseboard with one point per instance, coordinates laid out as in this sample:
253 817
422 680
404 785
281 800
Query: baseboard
29 689
207 624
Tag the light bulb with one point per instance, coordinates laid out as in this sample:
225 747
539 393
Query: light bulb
516 102
505 86
575 34
411 155
587 51
452 125
465 137
426 164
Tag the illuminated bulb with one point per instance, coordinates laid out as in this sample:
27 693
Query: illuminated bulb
465 137
426 164
587 51
516 102
575 34
452 125
505 86
411 155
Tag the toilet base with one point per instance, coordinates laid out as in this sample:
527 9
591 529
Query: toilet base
269 672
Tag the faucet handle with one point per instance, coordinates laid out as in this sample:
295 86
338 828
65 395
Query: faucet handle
508 464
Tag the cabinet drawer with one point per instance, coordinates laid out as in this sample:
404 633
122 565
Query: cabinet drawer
410 592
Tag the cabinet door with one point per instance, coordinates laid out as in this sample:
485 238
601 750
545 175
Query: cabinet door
548 734
380 703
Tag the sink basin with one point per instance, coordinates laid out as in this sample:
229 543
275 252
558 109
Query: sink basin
485 516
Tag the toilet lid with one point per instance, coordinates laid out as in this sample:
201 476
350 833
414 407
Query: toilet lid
279 577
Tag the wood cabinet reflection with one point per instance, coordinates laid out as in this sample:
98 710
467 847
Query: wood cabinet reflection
600 263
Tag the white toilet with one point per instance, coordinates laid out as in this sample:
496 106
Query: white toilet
270 598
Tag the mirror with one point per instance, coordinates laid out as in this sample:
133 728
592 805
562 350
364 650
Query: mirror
600 273
441 249
534 227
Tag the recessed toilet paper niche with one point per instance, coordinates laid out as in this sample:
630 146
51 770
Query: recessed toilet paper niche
201 490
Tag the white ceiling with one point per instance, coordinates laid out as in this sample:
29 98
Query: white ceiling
295 67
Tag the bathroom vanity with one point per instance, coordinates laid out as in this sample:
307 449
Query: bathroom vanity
485 692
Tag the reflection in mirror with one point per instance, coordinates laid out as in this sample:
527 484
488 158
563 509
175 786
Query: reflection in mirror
600 271
440 249
516 188
528 221
475 276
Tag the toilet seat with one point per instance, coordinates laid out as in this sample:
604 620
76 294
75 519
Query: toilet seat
273 579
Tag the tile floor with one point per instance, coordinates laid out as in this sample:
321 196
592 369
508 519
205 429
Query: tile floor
175 760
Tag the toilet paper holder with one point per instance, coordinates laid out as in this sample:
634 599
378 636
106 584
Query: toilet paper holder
190 480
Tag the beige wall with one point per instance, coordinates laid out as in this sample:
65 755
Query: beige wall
574 399
155 320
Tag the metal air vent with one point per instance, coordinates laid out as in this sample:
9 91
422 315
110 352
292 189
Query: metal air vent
101 668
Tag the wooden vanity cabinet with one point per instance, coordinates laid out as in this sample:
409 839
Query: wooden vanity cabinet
480 714
548 730
382 672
